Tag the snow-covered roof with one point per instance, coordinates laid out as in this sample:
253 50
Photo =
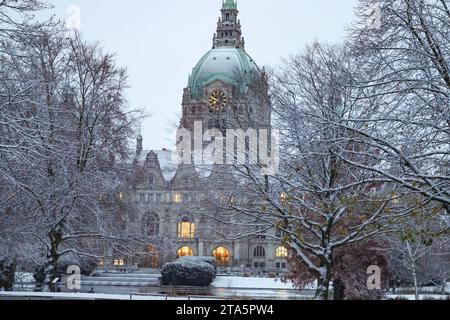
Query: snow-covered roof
169 164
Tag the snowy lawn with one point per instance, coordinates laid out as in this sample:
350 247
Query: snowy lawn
250 283
421 297
85 296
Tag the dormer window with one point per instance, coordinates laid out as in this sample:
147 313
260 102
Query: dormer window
151 180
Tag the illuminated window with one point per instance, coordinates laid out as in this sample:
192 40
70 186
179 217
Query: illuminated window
222 256
120 195
101 263
119 262
185 252
177 198
281 252
395 199
283 198
186 229
152 259
259 252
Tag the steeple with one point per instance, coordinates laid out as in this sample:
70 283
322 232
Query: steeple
229 32
139 141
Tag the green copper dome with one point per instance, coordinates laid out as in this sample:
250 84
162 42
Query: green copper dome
229 4
230 65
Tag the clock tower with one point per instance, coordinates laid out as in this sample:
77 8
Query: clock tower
226 89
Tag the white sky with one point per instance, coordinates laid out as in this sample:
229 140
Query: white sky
160 41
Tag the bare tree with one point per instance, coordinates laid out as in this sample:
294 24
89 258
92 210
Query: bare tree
318 202
66 156
419 250
405 84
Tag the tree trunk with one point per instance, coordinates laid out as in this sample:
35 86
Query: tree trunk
416 285
323 287
338 289
51 268
323 281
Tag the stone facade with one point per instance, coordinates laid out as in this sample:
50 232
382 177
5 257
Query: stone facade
175 200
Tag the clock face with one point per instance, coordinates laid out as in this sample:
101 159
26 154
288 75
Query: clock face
217 101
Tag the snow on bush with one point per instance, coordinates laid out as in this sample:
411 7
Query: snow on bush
209 260
188 272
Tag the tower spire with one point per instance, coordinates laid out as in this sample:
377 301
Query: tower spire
229 32
139 140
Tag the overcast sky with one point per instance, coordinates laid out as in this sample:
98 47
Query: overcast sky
160 41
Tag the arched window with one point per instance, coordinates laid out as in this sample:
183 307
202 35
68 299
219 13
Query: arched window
185 252
186 229
151 180
281 252
152 258
151 225
259 252
222 256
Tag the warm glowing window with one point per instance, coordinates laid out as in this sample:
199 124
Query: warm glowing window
177 198
395 199
152 259
120 195
101 263
222 256
186 230
281 252
283 198
119 262
185 251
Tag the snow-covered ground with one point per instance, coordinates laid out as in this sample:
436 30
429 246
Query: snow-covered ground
421 297
255 283
86 296
257 288
250 283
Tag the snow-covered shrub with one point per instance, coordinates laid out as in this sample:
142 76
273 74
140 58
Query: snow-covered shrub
209 260
188 272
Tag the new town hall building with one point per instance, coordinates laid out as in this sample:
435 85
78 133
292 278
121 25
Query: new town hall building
173 199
